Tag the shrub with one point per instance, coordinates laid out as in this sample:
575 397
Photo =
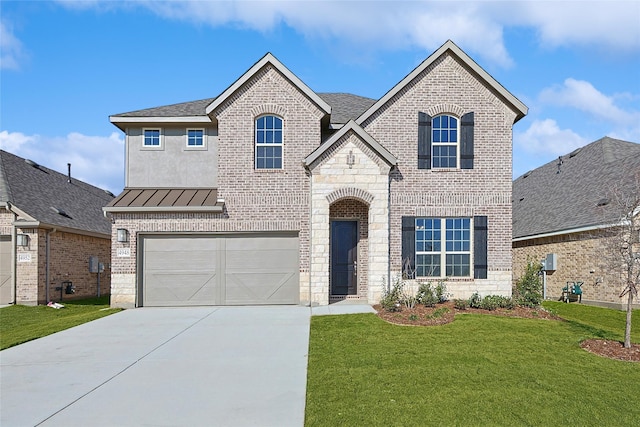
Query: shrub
391 296
528 289
441 292
475 301
490 302
426 295
460 304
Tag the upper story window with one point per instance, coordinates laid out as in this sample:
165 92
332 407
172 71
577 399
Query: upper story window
152 138
195 137
444 142
268 142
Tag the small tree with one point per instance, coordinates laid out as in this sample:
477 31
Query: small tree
528 292
622 244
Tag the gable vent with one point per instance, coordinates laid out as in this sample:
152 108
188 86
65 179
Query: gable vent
60 212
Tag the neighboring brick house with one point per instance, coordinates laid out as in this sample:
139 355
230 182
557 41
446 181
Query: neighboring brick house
561 208
50 225
271 193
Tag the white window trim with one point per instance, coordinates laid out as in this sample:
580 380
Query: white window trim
153 147
457 144
202 147
266 144
443 249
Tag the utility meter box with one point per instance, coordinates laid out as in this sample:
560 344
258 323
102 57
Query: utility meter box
94 264
550 262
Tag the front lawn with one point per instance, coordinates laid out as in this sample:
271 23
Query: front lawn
478 370
19 323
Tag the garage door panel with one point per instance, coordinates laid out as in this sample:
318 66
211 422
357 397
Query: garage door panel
6 296
261 288
220 270
181 288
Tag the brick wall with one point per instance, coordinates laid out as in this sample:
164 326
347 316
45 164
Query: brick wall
580 257
448 87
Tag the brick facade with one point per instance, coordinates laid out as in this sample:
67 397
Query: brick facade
580 257
68 261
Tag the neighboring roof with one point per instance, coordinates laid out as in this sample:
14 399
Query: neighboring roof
345 106
183 109
47 197
166 200
516 105
351 126
269 59
548 201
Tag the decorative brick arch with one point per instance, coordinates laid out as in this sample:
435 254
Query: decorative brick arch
450 108
350 193
262 109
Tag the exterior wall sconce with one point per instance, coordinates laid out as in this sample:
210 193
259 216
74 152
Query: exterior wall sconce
22 240
123 235
351 159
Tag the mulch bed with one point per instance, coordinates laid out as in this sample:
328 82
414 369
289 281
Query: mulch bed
445 313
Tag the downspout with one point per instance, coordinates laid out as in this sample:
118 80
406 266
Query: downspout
14 255
389 232
310 235
46 260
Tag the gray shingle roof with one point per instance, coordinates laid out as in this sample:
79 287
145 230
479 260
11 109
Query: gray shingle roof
37 190
546 201
344 107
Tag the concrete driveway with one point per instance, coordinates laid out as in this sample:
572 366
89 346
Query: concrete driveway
199 366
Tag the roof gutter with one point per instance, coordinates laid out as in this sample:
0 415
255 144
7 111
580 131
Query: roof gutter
564 232
151 209
45 226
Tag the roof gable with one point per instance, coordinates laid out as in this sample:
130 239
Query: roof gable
571 192
515 104
355 128
273 61
47 196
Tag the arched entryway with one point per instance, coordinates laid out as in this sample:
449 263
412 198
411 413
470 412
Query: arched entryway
348 249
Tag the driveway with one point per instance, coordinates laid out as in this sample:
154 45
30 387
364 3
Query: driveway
199 366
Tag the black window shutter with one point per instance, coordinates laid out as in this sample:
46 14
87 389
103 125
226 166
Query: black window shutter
409 247
480 230
466 141
424 141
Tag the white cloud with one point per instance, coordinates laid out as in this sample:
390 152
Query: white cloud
544 137
371 25
583 96
11 50
98 160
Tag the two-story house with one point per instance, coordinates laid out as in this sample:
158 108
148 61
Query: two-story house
271 193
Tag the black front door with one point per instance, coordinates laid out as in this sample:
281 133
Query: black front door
344 257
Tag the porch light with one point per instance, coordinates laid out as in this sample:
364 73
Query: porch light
22 240
123 235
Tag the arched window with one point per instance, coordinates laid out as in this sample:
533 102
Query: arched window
268 142
444 142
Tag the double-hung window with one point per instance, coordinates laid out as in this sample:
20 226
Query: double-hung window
444 142
268 142
443 247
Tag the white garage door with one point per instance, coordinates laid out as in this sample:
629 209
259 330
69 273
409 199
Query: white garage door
240 269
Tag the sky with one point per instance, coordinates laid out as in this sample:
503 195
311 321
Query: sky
66 66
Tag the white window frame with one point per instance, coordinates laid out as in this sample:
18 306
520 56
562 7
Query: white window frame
443 247
267 144
202 147
445 144
160 145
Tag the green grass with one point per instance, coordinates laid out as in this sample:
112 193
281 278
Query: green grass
19 323
598 321
478 370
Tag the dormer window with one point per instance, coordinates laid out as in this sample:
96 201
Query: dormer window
268 141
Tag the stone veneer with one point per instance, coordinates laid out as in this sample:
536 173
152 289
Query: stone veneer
367 181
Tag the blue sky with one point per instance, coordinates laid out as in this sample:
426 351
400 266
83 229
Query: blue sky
65 66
